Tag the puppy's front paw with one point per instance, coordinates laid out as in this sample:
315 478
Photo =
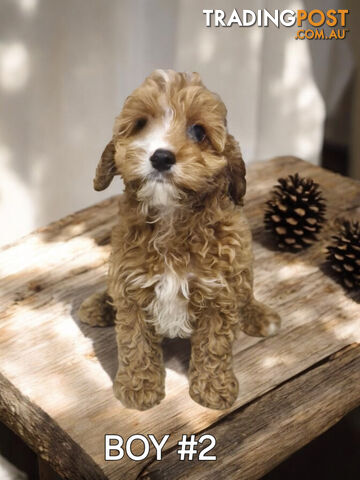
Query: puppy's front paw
258 320
139 394
218 392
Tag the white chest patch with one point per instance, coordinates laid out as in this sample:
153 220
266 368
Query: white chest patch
169 309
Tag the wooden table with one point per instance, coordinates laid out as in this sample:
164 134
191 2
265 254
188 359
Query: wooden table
56 374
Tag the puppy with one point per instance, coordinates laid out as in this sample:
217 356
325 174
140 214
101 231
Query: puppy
181 262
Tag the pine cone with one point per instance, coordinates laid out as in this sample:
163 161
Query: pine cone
344 255
295 213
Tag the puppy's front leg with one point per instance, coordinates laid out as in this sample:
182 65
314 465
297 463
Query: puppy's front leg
140 379
212 380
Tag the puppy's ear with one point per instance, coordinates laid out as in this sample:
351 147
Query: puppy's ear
106 169
235 170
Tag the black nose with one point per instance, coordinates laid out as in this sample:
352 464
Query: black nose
162 159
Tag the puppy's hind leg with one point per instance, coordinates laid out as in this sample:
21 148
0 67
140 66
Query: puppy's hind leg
259 320
97 310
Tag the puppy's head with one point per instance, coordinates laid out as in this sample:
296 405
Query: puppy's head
170 141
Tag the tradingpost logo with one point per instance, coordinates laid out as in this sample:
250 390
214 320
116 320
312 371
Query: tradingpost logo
312 23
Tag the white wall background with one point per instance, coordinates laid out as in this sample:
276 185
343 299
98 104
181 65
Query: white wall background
66 66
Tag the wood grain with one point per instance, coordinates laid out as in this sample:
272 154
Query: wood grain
275 426
64 369
43 435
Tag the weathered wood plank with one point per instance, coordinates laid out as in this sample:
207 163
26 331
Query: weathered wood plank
46 472
274 426
44 436
43 347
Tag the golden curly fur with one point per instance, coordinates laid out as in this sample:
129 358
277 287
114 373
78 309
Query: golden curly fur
181 262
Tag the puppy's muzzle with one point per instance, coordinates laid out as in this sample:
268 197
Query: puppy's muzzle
162 159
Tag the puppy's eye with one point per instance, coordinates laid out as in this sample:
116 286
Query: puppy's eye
196 133
139 125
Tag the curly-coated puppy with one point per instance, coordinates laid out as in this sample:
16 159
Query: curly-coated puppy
181 262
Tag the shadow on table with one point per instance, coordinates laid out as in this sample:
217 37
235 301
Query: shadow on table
351 294
176 351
